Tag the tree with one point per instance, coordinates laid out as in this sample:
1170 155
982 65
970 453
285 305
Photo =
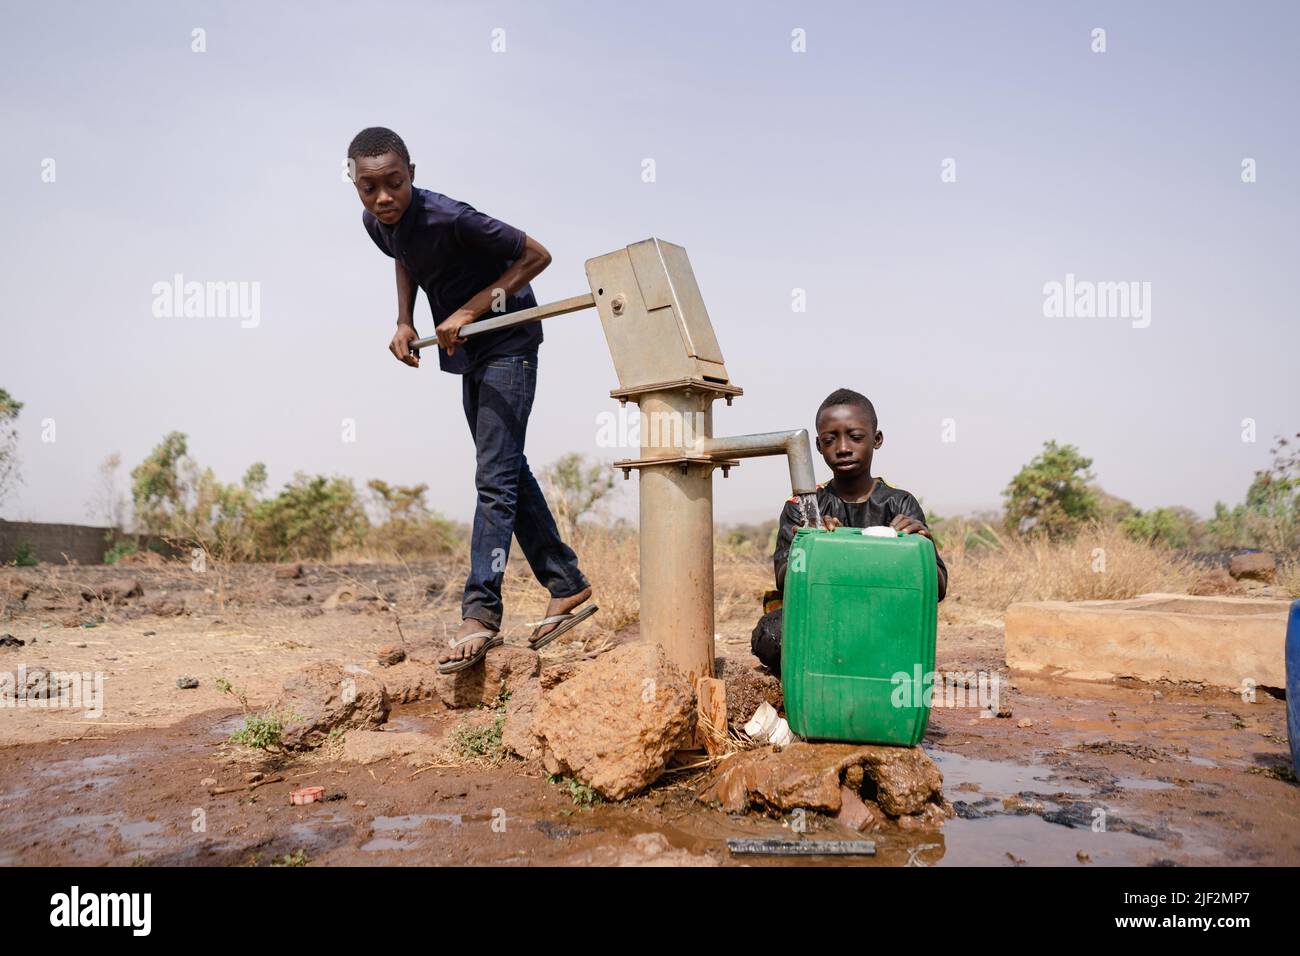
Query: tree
9 477
312 517
1270 515
407 525
1112 509
1051 495
160 486
574 487
1175 527
176 499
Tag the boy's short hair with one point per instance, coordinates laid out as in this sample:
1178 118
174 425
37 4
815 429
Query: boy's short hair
375 141
846 396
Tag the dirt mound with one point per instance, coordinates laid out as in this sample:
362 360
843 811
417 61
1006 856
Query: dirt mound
748 685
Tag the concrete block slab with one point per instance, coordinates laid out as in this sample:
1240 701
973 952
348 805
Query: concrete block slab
1220 641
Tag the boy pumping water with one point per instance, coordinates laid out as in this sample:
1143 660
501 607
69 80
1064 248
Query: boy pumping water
469 266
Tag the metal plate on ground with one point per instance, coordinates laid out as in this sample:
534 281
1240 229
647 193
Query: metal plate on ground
803 847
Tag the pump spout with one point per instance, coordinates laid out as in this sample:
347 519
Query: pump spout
794 444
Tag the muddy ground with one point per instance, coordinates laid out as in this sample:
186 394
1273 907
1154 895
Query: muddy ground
1073 774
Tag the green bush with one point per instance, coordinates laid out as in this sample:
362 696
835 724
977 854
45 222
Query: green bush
119 550
1051 494
1270 515
260 732
311 517
480 741
407 526
581 794
1167 527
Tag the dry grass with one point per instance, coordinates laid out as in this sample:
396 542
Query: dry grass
1288 578
1100 564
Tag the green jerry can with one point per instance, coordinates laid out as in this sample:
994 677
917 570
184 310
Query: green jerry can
858 633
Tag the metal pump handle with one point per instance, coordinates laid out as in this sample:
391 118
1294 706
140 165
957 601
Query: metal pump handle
535 314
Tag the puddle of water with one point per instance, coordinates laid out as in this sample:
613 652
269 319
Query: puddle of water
386 843
143 835
228 725
987 842
412 820
87 821
1142 783
399 831
85 766
139 829
412 723
998 777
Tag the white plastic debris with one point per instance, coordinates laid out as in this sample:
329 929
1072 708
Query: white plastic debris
766 726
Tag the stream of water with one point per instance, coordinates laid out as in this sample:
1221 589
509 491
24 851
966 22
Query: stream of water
812 515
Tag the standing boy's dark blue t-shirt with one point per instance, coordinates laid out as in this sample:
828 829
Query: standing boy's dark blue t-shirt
453 252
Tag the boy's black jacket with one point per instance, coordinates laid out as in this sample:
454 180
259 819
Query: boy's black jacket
884 504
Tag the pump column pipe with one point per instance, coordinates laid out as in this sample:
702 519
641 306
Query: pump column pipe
676 515
676 529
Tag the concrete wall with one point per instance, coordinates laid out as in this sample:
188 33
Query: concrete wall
50 542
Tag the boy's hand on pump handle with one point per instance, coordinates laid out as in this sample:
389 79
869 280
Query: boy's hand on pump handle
401 345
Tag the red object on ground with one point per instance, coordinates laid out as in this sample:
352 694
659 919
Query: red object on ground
306 795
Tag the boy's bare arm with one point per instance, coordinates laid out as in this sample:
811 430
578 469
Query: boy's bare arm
405 334
522 271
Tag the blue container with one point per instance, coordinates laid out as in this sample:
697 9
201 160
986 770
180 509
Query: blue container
1293 684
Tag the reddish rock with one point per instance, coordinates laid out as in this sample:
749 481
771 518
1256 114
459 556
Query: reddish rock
930 817
391 654
900 779
616 722
287 572
518 735
1256 566
557 674
505 669
326 696
857 814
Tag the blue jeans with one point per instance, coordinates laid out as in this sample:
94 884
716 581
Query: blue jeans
498 397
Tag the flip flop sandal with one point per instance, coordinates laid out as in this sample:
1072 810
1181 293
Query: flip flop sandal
566 621
493 640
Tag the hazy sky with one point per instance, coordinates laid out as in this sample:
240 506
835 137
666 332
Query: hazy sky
777 170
